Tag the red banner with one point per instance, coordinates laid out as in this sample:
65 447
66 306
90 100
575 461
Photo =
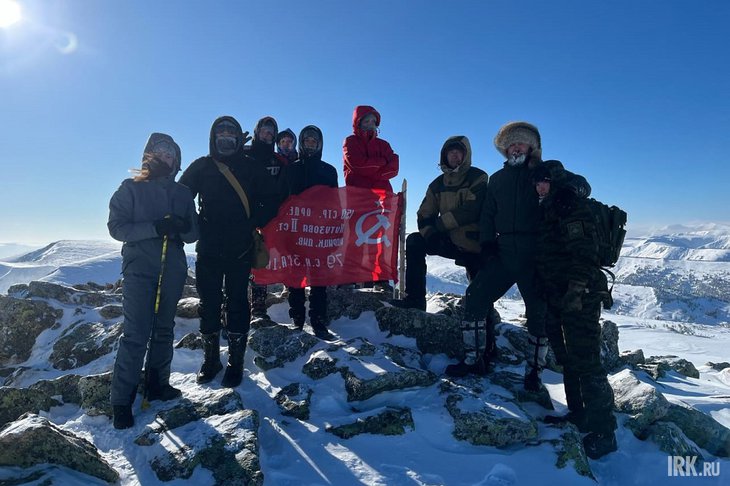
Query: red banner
327 236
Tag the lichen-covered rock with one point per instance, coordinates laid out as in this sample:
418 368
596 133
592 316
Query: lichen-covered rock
227 446
21 321
217 402
66 386
702 429
434 333
642 401
633 358
670 362
294 400
515 383
352 303
392 421
83 343
319 365
111 311
517 338
362 389
570 451
491 420
718 366
95 390
34 440
670 439
70 295
191 340
187 308
610 356
277 345
15 402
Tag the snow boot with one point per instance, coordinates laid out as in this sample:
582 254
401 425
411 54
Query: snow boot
297 317
319 326
236 350
122 414
156 390
258 302
536 357
211 358
598 444
575 418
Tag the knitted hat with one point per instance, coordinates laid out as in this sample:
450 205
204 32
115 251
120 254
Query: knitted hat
518 132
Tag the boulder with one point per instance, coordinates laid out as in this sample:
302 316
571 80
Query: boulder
66 386
34 440
434 333
277 345
69 295
111 311
718 366
191 340
227 446
569 449
319 365
675 363
15 402
670 439
633 358
702 429
610 356
362 388
187 308
21 322
294 400
640 400
95 394
392 421
83 343
352 303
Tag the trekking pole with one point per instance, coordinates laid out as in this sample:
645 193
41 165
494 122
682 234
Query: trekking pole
145 401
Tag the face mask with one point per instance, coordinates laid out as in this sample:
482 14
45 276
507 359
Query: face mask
157 168
225 145
516 159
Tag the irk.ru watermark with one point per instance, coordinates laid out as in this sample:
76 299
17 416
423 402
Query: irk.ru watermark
687 466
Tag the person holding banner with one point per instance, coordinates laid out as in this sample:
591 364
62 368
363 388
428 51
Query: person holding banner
309 171
369 161
224 248
268 192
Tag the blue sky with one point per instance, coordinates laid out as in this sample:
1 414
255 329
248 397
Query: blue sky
632 94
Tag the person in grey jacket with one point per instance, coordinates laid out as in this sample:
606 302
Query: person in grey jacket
154 216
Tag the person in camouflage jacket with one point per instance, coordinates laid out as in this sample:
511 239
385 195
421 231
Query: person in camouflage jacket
574 288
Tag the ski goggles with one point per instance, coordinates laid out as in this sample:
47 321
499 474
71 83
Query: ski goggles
164 148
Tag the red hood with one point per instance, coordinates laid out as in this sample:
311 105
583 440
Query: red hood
361 111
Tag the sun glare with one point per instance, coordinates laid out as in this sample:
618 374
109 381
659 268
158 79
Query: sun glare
9 13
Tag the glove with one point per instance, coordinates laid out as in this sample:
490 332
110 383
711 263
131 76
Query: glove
172 225
245 138
572 301
489 251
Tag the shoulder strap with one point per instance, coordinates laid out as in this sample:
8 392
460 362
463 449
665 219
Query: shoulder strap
236 186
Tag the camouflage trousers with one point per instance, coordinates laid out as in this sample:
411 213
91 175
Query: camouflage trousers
576 341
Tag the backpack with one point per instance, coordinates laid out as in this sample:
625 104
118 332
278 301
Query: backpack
610 223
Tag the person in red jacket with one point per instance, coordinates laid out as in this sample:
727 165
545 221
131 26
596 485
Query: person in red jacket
369 161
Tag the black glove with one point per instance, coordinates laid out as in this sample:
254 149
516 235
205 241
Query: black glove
489 251
172 225
573 299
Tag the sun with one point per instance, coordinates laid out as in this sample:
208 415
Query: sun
9 13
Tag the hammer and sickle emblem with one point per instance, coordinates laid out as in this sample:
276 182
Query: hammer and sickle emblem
364 236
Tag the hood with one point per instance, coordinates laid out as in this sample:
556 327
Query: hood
263 121
463 141
156 138
289 132
361 111
318 153
519 132
239 136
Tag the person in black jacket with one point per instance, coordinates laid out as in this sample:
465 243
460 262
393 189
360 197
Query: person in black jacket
269 191
309 171
286 145
154 217
224 248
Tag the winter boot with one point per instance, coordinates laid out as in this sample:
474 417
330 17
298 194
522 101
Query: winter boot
211 358
536 357
598 444
383 286
156 390
474 333
409 303
319 326
122 414
258 302
236 350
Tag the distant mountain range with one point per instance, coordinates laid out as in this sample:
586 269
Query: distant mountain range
679 273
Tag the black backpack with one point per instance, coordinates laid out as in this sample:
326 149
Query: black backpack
610 223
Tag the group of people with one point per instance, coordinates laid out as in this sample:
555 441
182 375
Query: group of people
527 225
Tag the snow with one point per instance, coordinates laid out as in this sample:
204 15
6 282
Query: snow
295 452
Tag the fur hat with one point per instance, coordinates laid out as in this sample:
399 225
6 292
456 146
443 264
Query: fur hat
518 132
